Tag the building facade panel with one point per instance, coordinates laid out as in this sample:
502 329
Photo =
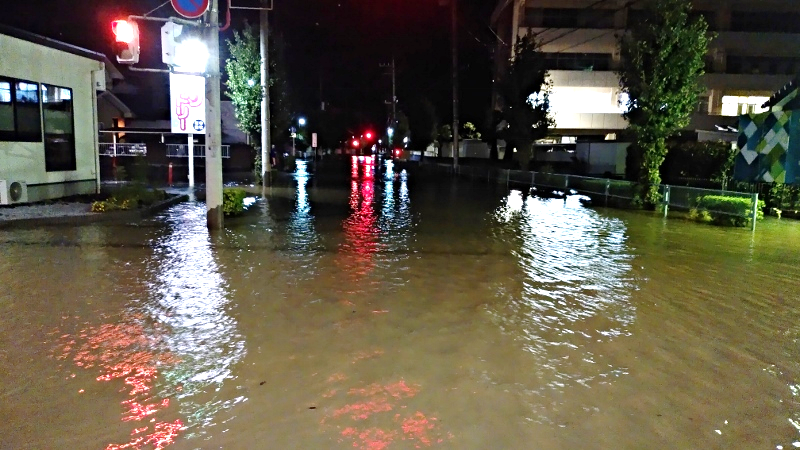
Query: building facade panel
754 53
61 158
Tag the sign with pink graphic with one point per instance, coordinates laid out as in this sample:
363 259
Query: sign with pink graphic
187 103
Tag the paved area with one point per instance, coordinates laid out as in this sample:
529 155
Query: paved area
39 211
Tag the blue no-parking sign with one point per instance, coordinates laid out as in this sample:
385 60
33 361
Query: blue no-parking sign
191 9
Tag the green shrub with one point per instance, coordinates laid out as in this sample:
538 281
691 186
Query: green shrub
726 211
233 201
112 204
138 195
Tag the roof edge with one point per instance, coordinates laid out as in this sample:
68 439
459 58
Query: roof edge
51 43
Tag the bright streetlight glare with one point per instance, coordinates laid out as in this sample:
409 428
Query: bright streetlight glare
390 131
301 121
405 139
191 56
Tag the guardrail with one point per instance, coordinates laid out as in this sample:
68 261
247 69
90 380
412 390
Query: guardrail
119 149
680 197
182 151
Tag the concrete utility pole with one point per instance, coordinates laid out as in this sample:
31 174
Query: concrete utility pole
214 214
394 93
453 11
266 169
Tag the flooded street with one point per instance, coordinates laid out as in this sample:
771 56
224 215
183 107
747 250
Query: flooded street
400 313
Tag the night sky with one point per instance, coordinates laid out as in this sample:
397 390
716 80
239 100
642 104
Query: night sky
334 47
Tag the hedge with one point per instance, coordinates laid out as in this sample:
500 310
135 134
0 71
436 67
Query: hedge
726 211
233 201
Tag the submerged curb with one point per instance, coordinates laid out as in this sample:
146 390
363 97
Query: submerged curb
116 216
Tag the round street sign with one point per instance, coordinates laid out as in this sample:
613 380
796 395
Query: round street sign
191 9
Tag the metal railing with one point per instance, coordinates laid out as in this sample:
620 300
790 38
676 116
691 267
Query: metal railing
182 151
118 149
680 197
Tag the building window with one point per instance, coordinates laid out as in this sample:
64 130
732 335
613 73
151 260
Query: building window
533 17
20 115
59 129
765 22
763 65
596 18
578 61
702 104
560 17
736 105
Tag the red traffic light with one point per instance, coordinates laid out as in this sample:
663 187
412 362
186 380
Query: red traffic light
126 41
123 31
397 152
368 135
355 143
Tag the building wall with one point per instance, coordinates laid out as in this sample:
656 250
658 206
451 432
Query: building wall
25 161
754 53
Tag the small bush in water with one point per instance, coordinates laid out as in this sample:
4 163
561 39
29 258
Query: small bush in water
233 201
726 211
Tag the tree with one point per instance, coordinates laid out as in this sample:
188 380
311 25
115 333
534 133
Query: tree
423 123
244 87
244 81
470 131
280 100
523 92
401 129
662 61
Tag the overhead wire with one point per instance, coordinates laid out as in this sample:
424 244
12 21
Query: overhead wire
573 30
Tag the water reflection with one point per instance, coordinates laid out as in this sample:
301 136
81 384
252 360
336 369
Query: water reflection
575 290
189 301
301 232
360 228
376 238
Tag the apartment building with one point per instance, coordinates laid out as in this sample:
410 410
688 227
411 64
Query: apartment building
757 50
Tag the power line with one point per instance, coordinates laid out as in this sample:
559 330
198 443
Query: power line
585 8
594 38
573 30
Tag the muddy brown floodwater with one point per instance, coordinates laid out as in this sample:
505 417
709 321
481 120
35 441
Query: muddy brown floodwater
398 314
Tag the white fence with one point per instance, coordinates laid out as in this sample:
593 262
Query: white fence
182 151
117 149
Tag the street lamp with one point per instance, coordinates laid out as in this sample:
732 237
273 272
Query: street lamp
302 122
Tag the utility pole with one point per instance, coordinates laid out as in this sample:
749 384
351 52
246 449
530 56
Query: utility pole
214 214
394 93
453 11
266 169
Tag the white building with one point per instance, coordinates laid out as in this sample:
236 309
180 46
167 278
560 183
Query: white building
48 117
754 54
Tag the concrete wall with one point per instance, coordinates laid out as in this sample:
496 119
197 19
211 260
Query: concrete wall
24 161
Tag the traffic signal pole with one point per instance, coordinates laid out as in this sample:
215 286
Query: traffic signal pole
214 213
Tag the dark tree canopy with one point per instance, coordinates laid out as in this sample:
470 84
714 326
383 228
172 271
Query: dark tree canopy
523 93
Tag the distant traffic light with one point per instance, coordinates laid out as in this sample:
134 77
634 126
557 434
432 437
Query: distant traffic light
368 135
126 40
355 143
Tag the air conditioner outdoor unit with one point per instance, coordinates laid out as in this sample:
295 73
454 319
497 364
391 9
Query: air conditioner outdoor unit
12 192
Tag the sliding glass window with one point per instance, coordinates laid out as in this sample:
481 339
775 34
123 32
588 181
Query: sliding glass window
20 113
59 128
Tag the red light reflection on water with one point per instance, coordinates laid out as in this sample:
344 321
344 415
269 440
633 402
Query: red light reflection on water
124 351
378 403
360 231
